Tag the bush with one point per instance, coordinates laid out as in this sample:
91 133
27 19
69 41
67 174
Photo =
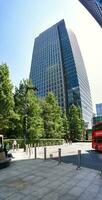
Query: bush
10 142
37 142
48 142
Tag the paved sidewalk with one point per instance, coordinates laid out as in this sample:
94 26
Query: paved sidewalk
46 180
66 149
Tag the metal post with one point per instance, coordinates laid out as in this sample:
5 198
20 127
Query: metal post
79 159
59 156
29 151
44 153
25 128
35 152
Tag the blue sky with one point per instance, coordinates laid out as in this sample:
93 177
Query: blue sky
23 20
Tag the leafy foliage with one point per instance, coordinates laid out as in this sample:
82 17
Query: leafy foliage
52 117
6 98
75 122
66 126
23 114
26 103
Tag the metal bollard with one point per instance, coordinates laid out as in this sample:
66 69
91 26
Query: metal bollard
26 149
44 153
79 159
59 156
29 151
35 152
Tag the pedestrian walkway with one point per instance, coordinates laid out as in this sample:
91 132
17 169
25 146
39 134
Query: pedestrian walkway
36 179
66 149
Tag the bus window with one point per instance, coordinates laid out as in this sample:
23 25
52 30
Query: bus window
97 127
98 139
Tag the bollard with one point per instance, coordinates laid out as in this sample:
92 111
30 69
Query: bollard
44 153
78 159
59 156
26 149
29 151
35 152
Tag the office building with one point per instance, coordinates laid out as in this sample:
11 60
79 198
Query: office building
57 66
95 8
99 109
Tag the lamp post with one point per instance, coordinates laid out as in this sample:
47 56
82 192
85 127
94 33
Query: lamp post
25 113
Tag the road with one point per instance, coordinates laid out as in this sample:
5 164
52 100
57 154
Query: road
89 157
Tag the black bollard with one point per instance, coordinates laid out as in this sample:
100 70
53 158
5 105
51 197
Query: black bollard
79 159
59 156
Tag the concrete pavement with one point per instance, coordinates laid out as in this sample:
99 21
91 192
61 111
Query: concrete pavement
36 179
66 149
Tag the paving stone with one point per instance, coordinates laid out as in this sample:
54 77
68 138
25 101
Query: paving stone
67 196
76 191
16 196
39 180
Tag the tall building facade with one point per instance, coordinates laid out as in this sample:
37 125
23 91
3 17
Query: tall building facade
57 66
99 109
95 8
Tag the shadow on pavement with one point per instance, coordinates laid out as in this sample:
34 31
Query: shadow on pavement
92 159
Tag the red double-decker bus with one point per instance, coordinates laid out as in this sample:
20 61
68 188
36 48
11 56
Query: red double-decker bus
97 136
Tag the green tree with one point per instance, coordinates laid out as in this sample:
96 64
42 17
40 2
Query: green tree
75 122
52 117
6 99
66 126
28 107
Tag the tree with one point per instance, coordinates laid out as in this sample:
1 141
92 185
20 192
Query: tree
66 126
28 108
52 117
6 98
75 122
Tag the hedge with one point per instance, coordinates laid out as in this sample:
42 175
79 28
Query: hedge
37 142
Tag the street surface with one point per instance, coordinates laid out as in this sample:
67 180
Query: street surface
28 178
89 157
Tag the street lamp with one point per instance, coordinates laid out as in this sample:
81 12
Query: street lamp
26 112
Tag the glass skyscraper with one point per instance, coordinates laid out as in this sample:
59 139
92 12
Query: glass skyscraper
57 66
99 109
95 8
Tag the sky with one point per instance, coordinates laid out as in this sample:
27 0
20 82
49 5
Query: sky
23 20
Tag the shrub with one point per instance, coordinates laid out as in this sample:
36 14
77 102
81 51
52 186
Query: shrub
37 142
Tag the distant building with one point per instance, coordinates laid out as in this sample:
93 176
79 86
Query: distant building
97 119
99 109
95 8
57 66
